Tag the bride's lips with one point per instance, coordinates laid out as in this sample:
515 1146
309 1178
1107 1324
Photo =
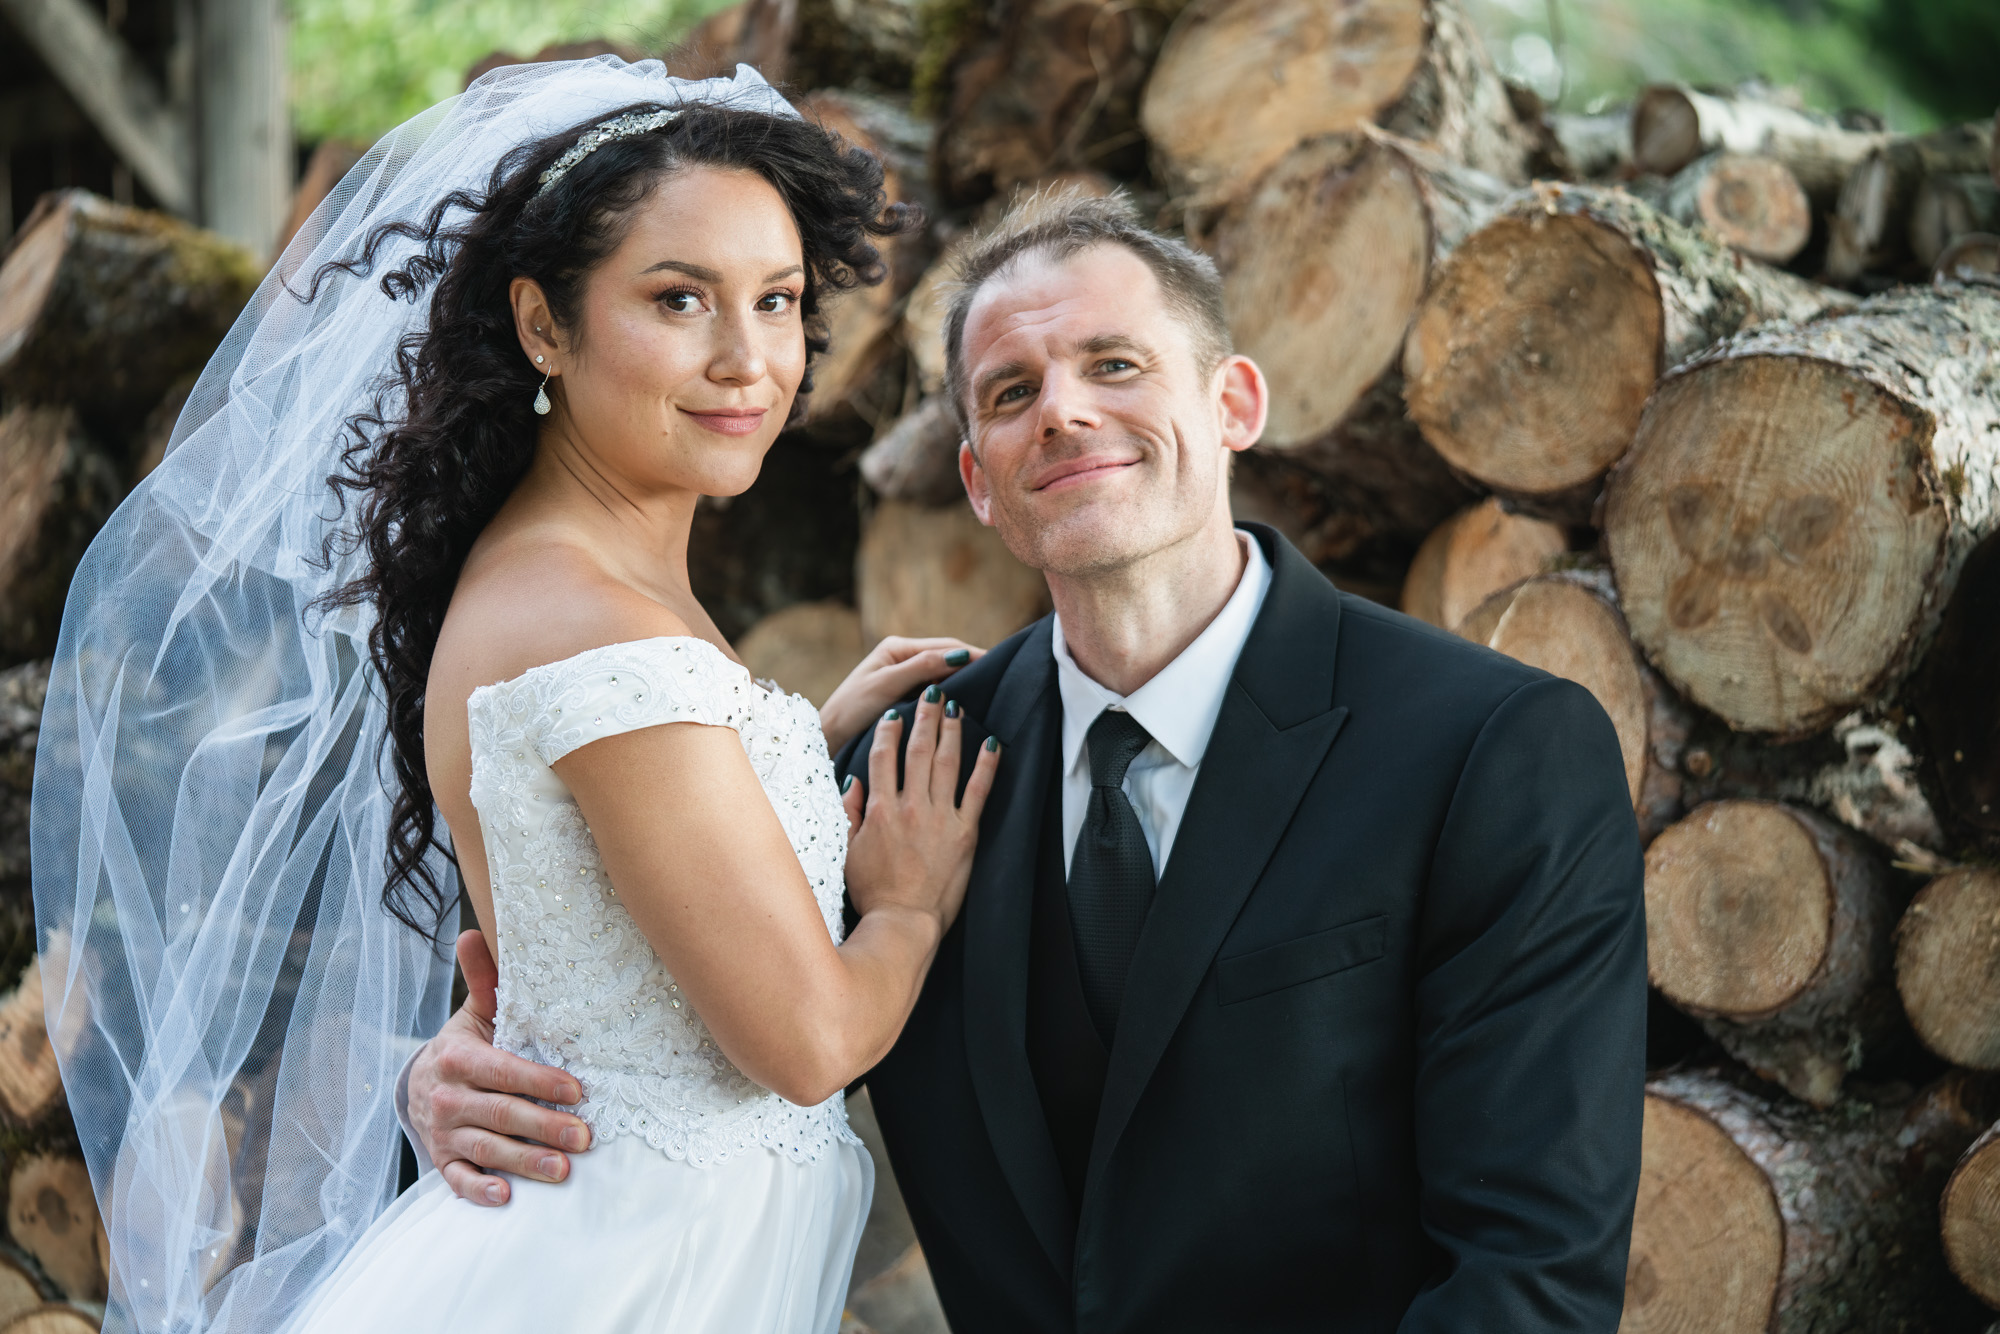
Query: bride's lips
1076 472
730 421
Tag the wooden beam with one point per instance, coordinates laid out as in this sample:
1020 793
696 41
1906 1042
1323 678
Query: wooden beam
114 90
244 162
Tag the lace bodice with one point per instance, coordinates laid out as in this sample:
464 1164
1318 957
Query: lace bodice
579 986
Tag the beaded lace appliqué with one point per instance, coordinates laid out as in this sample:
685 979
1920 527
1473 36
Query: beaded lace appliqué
579 986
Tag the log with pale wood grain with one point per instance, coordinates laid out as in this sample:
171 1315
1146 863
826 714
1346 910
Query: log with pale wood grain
1473 555
1969 1217
104 306
1956 709
1972 258
1948 966
1871 219
1758 1216
1774 926
1597 145
1533 353
1798 503
52 1318
1950 205
1045 86
52 1215
1324 260
56 488
1753 205
1240 83
1673 124
19 1292
1567 623
807 648
30 1081
925 571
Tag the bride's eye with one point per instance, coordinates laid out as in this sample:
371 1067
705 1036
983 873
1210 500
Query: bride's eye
776 303
681 300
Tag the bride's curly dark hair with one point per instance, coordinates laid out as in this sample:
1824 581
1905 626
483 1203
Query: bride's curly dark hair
452 431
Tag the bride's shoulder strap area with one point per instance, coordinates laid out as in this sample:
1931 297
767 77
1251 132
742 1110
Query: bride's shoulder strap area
617 688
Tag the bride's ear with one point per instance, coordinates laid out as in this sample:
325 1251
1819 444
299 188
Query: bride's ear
533 324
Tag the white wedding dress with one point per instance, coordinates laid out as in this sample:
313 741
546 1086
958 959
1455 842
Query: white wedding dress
706 1202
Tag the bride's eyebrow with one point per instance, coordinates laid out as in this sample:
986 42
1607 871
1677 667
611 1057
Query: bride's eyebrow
701 274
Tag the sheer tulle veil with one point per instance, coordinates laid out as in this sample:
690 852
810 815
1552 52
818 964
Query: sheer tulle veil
229 1000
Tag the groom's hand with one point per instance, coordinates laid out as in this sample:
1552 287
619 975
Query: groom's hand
469 1101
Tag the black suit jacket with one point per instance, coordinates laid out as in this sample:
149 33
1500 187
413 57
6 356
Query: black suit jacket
1380 1062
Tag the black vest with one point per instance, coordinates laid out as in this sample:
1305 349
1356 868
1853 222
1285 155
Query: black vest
1064 1051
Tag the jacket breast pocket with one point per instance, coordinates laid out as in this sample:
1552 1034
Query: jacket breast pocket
1241 977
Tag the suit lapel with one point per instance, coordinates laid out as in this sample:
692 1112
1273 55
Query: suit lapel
999 910
1277 723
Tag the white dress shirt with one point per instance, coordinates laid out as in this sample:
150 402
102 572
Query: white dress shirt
1178 708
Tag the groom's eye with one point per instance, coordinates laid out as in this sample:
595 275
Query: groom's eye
1013 393
1116 365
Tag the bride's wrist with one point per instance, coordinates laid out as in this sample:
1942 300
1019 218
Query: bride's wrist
926 924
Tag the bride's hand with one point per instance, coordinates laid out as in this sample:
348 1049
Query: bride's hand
895 669
911 846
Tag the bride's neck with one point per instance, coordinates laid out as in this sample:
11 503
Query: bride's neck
639 533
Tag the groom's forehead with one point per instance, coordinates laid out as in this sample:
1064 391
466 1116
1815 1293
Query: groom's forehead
1065 305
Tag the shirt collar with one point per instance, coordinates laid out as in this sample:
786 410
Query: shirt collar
1179 706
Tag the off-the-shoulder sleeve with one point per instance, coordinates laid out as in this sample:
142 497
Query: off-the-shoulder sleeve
624 687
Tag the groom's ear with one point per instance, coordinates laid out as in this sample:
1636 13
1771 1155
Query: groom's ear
1243 400
974 477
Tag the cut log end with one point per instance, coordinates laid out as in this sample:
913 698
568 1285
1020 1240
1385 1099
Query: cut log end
53 1215
1972 258
1567 631
1707 1238
1775 536
30 1081
1948 969
1739 910
808 648
19 1293
1754 205
1969 1217
1666 130
1530 360
923 571
54 1318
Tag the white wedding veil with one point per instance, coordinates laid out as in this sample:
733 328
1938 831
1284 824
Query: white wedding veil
229 1000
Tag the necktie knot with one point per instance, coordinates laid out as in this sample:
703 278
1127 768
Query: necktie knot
1114 740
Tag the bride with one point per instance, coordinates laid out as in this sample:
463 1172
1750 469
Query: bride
530 330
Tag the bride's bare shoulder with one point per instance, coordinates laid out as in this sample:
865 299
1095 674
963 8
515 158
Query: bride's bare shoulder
536 598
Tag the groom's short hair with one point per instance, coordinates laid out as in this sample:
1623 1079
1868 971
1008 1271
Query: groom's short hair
1060 223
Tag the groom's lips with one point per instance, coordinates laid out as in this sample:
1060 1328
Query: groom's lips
1076 472
730 421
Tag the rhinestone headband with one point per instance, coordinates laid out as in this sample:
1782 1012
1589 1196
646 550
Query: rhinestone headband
626 126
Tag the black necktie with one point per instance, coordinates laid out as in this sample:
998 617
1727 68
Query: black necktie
1111 871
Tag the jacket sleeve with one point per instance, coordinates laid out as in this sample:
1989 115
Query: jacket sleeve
1530 1027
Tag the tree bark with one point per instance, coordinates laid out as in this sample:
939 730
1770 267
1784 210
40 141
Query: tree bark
1047 86
865 44
1599 147
1871 219
1542 335
1672 125
1568 624
1240 83
1333 248
1753 205
1948 966
1772 925
807 648
1758 1217
56 489
1970 1218
1956 710
1950 205
104 306
917 458
924 571
1473 555
22 692
1798 504
52 1214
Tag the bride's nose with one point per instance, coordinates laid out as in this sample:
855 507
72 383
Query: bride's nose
738 356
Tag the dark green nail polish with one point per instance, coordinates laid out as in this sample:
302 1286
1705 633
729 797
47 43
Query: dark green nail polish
847 785
993 744
932 694
951 708
958 657
891 716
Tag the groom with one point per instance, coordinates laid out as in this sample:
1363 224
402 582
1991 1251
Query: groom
1301 979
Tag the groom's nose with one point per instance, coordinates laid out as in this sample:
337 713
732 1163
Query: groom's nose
1066 405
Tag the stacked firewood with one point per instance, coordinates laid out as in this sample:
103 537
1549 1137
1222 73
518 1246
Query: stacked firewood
1694 402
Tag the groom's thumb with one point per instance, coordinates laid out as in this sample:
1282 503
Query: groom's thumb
482 975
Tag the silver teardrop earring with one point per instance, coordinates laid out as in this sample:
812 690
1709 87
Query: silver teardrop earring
542 391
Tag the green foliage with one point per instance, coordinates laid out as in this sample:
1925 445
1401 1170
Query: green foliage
360 67
1946 51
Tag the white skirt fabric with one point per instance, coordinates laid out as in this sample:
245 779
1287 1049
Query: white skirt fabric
634 1241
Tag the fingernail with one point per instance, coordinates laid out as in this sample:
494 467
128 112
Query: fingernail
846 785
958 657
891 716
575 1140
932 694
951 709
550 1167
993 744
496 1193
